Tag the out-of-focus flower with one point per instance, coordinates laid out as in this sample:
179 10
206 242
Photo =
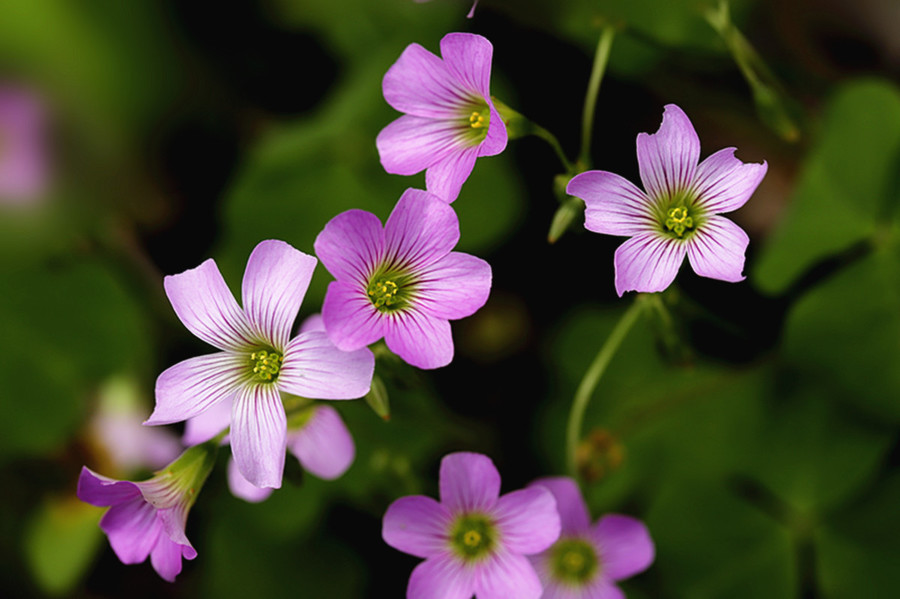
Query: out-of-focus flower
449 118
401 282
587 560
474 541
680 212
258 359
148 518
23 151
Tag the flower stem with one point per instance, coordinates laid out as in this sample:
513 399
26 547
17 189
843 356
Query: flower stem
554 143
592 378
601 58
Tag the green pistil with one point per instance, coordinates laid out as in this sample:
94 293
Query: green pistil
473 536
266 364
574 561
679 220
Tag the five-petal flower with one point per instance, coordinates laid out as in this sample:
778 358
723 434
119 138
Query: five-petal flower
678 215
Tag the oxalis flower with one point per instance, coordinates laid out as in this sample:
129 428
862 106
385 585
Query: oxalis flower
588 559
678 214
474 541
23 152
258 359
449 118
148 518
401 282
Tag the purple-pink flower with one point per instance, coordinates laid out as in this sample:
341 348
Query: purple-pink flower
401 282
258 360
148 518
449 118
678 215
474 541
587 560
23 152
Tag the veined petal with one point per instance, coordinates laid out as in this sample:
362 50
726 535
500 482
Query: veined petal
573 512
420 84
667 159
724 183
275 281
133 529
420 339
648 262
441 577
350 245
103 491
446 176
209 423
323 446
421 230
507 575
625 546
205 305
469 482
613 205
467 57
313 367
454 287
351 320
497 137
717 248
166 558
194 385
258 434
528 520
417 525
240 487
410 144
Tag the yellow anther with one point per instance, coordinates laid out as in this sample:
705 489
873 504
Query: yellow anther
678 220
476 120
266 365
383 292
472 538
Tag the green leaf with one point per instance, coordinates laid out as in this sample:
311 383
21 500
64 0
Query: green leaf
843 191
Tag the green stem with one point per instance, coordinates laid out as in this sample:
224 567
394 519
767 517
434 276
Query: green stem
592 378
601 58
554 143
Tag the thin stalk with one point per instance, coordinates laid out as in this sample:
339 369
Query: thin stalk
554 143
601 58
592 378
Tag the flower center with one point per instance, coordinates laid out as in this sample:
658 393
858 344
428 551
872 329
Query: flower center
679 220
473 536
475 120
574 561
383 293
479 120
266 364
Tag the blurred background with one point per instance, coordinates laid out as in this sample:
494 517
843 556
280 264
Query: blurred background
755 433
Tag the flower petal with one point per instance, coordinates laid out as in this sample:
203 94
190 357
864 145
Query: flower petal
315 368
417 525
717 248
275 281
445 177
133 529
497 137
528 520
420 84
350 246
625 546
102 491
467 57
469 481
454 287
351 320
573 511
323 446
507 575
411 144
420 231
209 423
420 339
668 158
240 487
166 558
613 205
258 434
441 577
648 262
205 305
194 385
724 183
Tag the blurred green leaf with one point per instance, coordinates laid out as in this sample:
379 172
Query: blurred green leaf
844 188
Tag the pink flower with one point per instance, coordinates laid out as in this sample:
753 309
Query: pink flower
449 118
474 541
679 213
23 153
258 359
587 560
401 282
